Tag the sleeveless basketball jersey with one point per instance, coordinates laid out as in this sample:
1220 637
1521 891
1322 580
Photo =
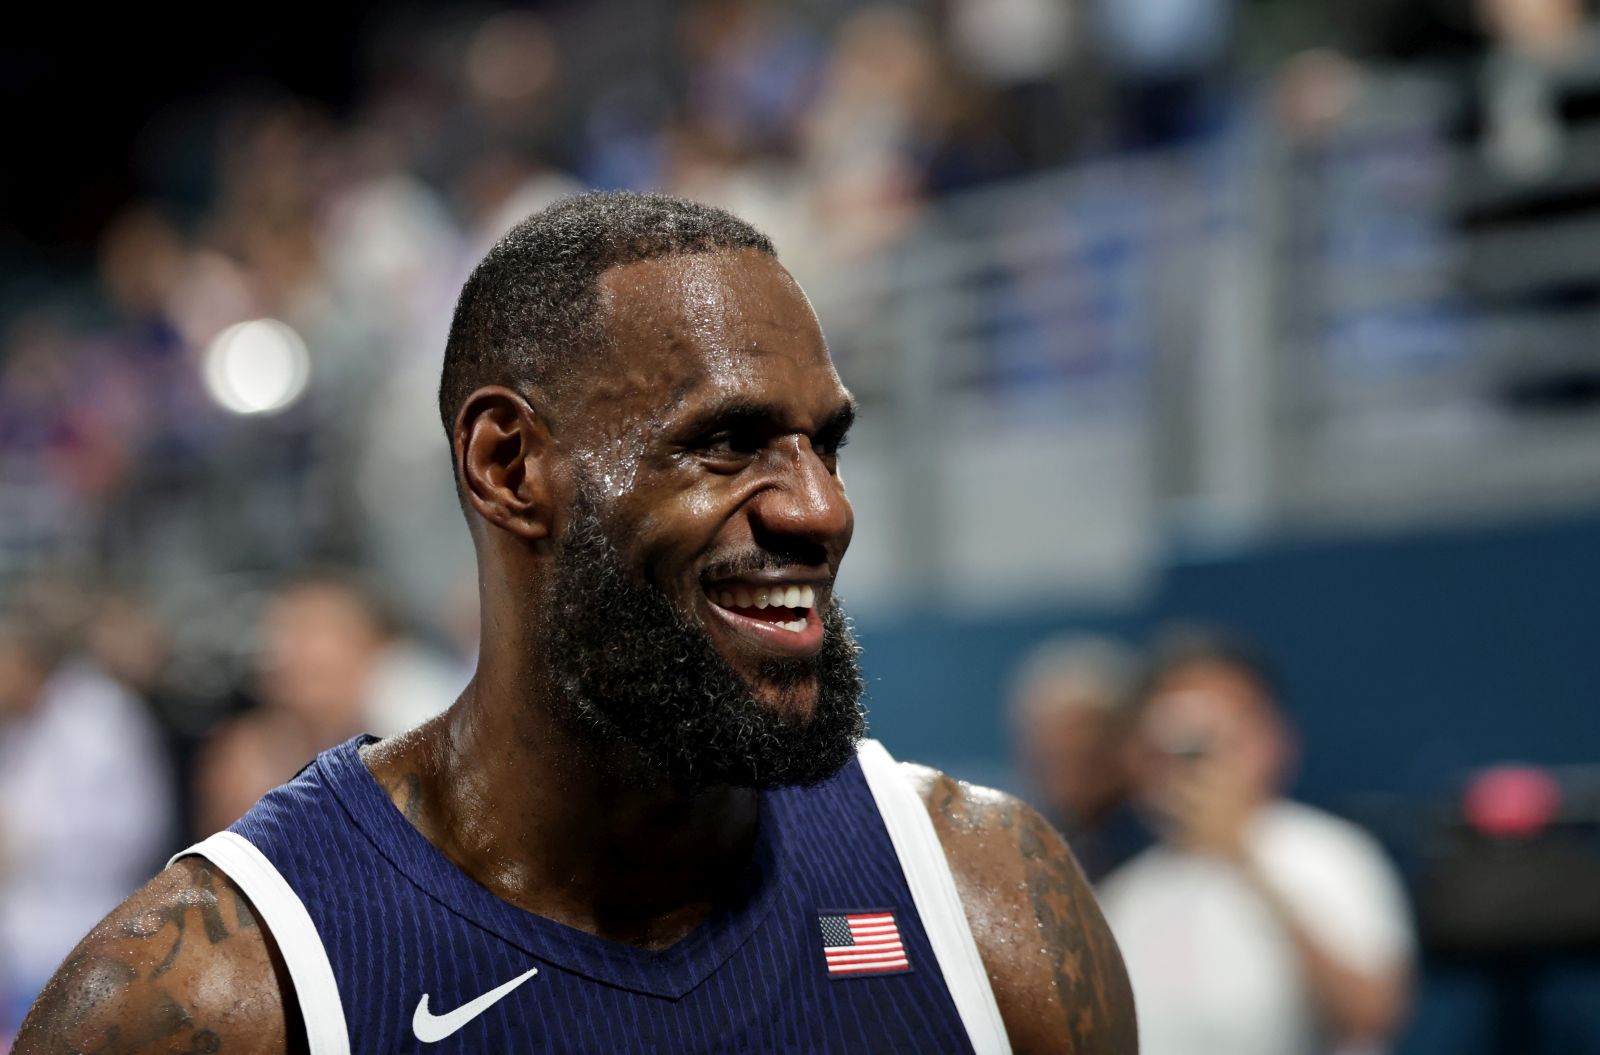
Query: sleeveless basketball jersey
848 935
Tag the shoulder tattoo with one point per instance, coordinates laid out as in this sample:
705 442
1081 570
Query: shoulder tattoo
1095 1003
1055 966
130 987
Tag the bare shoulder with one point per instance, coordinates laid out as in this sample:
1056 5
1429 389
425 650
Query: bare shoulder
182 966
1055 969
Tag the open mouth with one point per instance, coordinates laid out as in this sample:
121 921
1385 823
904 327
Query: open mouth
786 607
777 616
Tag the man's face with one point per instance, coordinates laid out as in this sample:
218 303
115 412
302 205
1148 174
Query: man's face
318 643
705 446
1072 748
1211 714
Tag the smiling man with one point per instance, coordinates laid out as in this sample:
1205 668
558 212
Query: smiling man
650 823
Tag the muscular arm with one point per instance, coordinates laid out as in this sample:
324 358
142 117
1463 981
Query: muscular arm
1054 967
181 968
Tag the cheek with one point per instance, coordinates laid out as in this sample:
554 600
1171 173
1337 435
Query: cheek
611 470
700 504
667 539
1149 768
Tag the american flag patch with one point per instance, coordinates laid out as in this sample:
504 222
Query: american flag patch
856 943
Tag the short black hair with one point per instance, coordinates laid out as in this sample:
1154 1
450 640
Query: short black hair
1182 645
527 314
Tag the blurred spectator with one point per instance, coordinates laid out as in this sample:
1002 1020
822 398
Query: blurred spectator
330 666
869 128
503 139
1258 926
751 71
1166 56
1071 717
1314 91
134 645
1035 55
1541 50
85 806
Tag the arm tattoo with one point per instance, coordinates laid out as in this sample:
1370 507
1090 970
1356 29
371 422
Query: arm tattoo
122 992
1057 976
201 895
1095 1003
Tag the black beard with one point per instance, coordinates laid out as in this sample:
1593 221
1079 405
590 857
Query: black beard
632 673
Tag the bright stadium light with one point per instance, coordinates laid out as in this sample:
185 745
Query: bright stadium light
257 367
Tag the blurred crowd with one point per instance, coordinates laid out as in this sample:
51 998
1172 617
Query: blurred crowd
117 748
832 124
1250 924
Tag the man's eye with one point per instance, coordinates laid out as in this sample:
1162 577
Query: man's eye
828 446
732 443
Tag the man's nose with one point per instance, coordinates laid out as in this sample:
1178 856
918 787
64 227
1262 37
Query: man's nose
804 498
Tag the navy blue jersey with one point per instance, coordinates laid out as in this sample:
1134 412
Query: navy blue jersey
824 950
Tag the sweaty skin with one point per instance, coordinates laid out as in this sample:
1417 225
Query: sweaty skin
183 966
712 425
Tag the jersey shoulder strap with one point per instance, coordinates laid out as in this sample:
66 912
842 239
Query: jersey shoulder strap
933 890
283 913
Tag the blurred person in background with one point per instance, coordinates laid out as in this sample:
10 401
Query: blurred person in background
1257 926
330 666
865 137
1071 718
1543 64
1037 57
131 642
86 806
1166 57
503 136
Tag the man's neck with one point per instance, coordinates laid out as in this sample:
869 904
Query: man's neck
546 822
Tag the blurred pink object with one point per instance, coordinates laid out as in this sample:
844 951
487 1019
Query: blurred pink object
1512 801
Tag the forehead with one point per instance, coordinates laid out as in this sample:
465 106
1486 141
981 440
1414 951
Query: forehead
694 328
316 603
1206 688
1208 675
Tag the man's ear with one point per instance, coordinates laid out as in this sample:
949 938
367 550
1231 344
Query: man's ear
502 452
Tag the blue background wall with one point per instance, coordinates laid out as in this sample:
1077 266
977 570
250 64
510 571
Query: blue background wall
1407 660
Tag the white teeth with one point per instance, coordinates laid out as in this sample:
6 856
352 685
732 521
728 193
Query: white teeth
801 597
794 625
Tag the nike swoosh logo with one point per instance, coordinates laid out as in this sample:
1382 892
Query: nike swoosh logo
431 1028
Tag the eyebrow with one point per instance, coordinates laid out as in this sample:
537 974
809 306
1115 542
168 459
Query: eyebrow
737 410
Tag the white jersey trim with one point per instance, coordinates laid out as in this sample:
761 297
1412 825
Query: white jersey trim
285 916
933 889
